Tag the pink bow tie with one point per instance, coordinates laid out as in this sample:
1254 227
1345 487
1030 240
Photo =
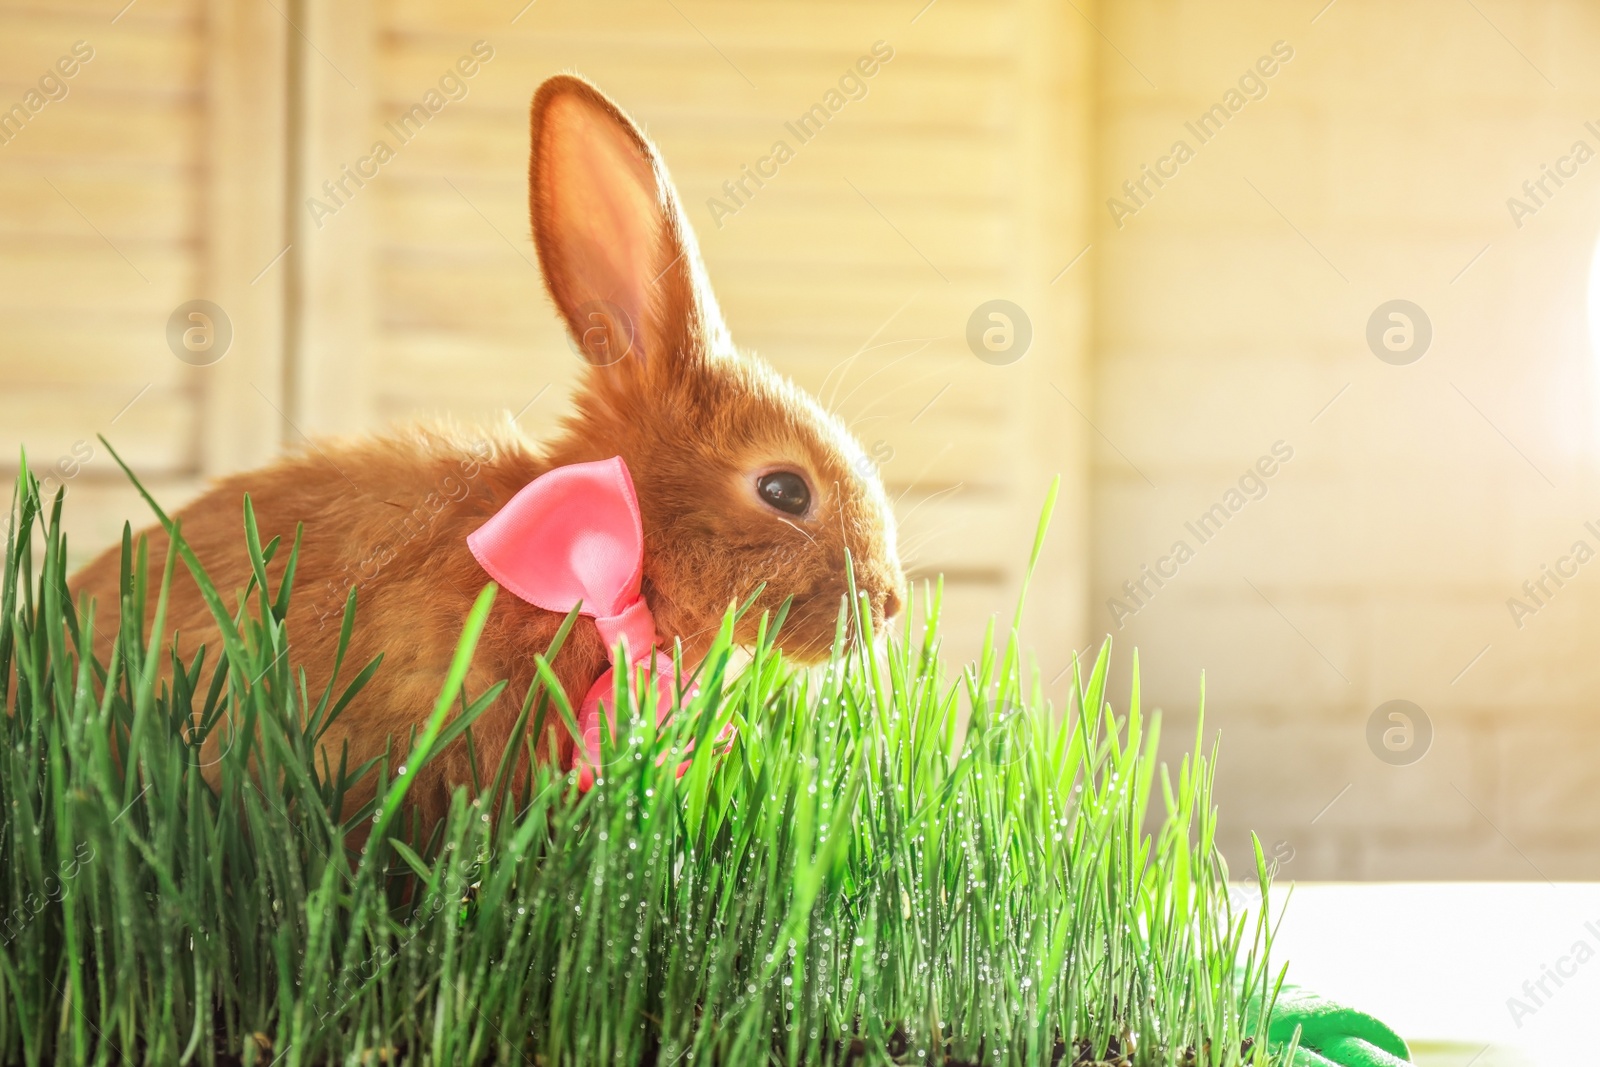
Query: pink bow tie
573 536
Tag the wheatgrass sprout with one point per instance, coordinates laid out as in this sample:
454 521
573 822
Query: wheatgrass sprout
895 859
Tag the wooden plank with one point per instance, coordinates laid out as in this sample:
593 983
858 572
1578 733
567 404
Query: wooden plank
157 432
174 15
872 382
681 87
64 280
418 294
126 205
130 59
464 406
82 352
961 28
101 243
155 133
426 362
247 133
854 302
1053 139
330 379
949 240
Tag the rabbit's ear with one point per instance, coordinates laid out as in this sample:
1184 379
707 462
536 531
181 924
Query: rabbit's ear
617 254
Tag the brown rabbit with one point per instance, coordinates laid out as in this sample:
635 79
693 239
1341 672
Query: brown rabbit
741 478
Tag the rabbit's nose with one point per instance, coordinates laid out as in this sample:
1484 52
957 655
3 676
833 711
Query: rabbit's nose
891 605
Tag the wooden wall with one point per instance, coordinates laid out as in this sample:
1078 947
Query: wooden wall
156 178
1232 312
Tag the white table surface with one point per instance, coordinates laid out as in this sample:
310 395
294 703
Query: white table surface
1440 962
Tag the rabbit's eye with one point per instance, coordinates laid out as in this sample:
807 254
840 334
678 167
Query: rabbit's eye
786 491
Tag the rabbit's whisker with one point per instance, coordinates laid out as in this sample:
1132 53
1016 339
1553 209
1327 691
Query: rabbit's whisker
926 467
880 370
907 384
831 406
802 533
914 550
864 418
884 325
931 496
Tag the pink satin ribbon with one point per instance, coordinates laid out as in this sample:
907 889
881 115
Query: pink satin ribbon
573 536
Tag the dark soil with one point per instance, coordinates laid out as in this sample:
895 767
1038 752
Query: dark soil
852 1053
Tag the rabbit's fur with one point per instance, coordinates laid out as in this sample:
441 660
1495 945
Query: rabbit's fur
695 421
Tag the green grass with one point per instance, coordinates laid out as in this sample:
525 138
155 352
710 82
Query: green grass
857 879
